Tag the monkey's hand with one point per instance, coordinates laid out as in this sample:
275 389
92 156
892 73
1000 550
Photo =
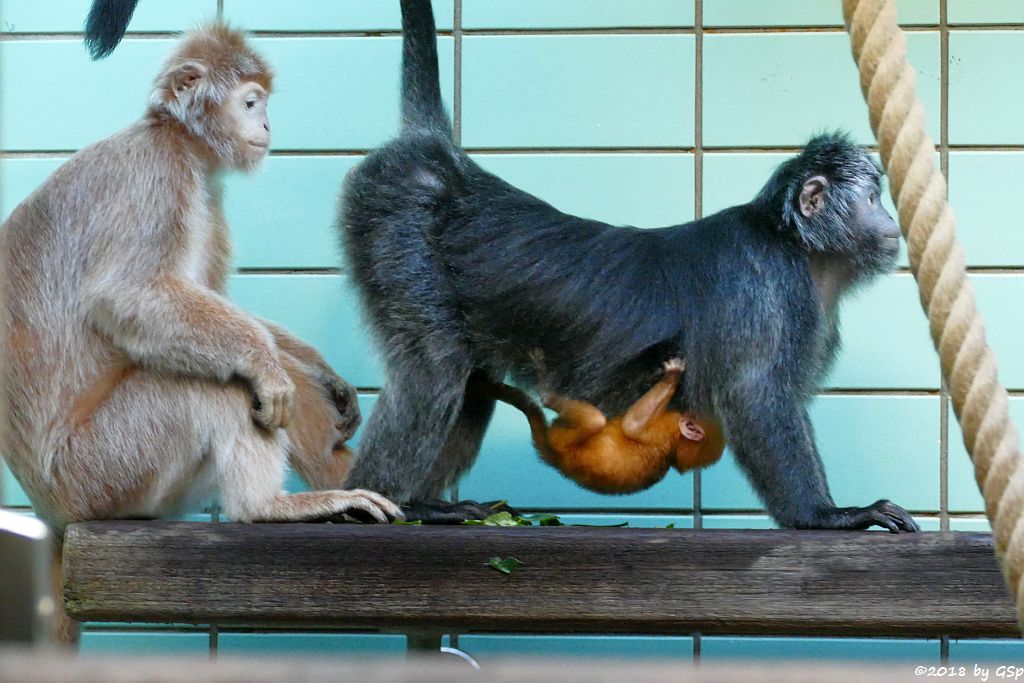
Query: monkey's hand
673 366
346 402
273 395
544 384
883 513
443 512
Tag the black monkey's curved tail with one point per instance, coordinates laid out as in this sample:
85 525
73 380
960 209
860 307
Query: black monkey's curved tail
106 24
422 108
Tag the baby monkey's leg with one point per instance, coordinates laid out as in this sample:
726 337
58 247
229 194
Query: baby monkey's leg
579 418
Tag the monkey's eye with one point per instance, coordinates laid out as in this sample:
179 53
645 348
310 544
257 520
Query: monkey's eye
250 104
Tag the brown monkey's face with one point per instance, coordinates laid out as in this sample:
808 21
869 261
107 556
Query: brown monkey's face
245 114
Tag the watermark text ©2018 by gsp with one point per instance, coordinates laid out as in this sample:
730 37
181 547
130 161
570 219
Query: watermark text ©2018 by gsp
976 672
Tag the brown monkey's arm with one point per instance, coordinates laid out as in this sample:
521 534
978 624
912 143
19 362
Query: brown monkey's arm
295 347
653 403
173 325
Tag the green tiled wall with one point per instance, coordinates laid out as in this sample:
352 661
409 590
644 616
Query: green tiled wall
576 14
544 91
598 107
779 72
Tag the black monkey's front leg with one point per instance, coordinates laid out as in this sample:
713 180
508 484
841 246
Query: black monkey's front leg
774 443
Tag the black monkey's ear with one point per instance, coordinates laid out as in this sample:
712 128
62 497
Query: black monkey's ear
812 195
185 77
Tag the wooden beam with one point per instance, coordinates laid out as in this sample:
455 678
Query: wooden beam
50 667
577 579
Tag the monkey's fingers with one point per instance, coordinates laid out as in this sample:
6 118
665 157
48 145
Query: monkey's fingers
265 412
274 401
674 366
287 408
887 515
537 356
380 501
893 517
346 401
374 504
279 412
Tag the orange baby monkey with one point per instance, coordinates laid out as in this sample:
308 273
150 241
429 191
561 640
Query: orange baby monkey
622 454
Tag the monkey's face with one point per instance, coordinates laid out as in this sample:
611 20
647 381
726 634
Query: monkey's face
244 115
876 233
847 220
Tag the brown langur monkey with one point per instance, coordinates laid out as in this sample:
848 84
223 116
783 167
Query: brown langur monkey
129 380
621 454
128 373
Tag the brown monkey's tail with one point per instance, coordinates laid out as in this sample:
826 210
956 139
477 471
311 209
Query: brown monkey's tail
519 399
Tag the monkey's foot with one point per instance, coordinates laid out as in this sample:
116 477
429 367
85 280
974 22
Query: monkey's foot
673 366
441 512
882 513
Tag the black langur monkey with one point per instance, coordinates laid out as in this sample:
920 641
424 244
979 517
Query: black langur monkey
461 274
106 24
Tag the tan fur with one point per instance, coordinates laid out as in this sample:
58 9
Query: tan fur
129 378
316 433
63 629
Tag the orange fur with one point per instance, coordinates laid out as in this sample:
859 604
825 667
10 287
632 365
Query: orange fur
689 454
601 454
611 462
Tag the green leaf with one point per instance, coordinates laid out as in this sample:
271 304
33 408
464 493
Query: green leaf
402 522
506 565
498 519
544 519
670 525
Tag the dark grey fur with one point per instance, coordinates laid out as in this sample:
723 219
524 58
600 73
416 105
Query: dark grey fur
106 24
461 275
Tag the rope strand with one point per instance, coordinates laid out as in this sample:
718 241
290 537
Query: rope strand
979 400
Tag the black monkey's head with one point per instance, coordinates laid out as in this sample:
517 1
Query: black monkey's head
829 198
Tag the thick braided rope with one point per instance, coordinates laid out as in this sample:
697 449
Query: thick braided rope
937 261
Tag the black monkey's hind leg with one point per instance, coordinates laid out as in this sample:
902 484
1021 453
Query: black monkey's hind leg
774 443
409 300
457 456
402 439
463 443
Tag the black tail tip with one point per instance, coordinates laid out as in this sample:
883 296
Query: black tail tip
106 24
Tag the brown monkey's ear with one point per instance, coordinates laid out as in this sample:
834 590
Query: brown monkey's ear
691 429
812 196
185 77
